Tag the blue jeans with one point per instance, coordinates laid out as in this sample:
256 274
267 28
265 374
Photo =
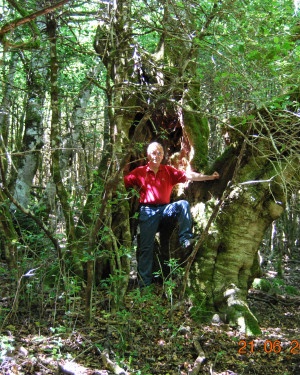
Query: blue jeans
149 219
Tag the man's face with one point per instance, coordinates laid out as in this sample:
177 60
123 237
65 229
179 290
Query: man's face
156 155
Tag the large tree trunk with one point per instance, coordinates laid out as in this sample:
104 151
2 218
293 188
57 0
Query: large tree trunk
227 262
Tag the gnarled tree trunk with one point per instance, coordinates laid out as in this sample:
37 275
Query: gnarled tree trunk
227 262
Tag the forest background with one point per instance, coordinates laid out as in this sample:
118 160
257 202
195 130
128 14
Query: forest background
85 86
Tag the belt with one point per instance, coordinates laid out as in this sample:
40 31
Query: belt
152 205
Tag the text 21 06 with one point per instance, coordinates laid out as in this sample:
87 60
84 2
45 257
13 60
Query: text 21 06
269 347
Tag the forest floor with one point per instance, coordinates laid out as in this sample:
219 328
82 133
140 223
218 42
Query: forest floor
148 335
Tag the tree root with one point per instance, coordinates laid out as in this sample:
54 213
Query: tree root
238 312
110 365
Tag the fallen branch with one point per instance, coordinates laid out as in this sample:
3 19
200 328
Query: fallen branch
72 368
200 359
274 298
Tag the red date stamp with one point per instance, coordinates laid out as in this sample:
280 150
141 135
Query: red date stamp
269 347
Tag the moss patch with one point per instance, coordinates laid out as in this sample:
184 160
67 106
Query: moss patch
262 284
198 131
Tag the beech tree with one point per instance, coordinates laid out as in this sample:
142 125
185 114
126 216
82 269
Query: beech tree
216 83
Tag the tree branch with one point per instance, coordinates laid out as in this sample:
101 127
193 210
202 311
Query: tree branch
20 21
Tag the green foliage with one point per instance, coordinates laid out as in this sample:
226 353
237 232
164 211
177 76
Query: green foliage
251 55
113 285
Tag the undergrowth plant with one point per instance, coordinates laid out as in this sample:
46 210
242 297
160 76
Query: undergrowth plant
170 281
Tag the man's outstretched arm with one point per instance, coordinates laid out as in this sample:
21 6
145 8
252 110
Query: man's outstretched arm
194 176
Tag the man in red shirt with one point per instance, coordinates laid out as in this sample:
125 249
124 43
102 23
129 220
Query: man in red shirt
155 182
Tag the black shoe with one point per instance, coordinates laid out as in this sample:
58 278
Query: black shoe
190 242
188 245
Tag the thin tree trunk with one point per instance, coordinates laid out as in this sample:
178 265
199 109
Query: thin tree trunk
8 235
56 143
32 143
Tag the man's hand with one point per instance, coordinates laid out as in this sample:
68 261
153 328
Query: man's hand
215 176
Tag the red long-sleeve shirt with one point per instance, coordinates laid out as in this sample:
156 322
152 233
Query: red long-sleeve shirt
155 188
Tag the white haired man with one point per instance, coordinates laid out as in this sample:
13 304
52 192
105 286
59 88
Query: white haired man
155 182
